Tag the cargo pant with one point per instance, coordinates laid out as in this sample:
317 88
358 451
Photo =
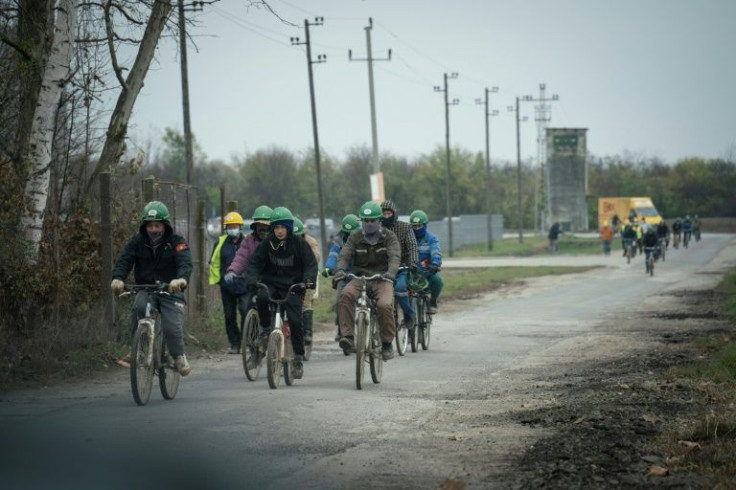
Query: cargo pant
171 309
383 292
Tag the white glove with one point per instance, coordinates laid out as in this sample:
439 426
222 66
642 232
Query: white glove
177 285
117 286
229 277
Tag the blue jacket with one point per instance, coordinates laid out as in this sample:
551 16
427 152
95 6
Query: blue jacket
338 241
429 252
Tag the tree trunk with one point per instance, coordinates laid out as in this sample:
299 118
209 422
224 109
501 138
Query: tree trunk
56 69
118 127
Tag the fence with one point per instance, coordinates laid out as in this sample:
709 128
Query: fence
467 229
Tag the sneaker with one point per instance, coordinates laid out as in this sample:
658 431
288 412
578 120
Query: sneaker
234 349
347 345
388 351
432 306
298 367
308 338
182 365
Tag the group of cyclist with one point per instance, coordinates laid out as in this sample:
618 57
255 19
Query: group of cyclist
638 235
278 253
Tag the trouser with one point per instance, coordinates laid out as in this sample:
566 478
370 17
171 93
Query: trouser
553 244
339 287
647 252
171 309
231 305
402 294
383 292
307 312
293 308
435 285
606 247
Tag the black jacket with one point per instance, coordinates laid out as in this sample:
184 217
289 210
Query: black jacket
282 264
170 260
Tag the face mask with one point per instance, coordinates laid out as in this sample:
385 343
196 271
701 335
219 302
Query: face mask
370 228
155 236
388 222
233 233
420 232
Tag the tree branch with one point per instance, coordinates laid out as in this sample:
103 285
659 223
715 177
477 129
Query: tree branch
26 55
111 46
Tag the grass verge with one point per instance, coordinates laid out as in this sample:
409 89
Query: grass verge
538 245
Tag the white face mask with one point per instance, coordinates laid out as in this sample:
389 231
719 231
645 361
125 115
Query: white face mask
233 233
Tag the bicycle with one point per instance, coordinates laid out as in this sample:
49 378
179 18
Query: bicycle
696 232
629 249
685 238
279 353
251 342
419 291
368 346
676 240
150 353
650 260
662 250
402 332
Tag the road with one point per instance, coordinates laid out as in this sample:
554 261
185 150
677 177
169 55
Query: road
432 417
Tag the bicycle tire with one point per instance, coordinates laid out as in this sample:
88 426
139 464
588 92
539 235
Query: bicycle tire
361 331
650 262
402 338
426 325
413 336
628 255
141 368
663 254
273 362
376 357
168 376
288 364
251 341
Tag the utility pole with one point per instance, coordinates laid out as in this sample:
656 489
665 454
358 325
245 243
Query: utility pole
518 165
318 21
188 151
542 115
370 59
447 153
487 115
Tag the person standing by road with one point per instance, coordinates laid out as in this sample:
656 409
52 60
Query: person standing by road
606 235
156 255
232 292
554 234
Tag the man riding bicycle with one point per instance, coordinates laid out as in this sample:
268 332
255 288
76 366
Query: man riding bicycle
628 238
677 231
371 250
687 229
281 260
408 242
156 255
650 246
663 233
430 256
349 224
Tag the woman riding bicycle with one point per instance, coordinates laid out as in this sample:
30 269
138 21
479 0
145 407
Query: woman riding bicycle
279 261
372 250
156 254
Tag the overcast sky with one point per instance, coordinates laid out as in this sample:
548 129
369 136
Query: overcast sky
656 78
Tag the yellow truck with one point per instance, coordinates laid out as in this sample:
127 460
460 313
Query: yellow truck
608 207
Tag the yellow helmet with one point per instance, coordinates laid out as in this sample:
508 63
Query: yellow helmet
233 218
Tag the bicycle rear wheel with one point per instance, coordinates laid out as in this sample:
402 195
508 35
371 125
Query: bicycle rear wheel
251 341
361 333
168 375
141 365
426 323
273 360
376 359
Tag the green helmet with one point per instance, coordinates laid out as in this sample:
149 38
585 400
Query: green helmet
417 282
418 217
155 211
298 227
262 213
370 210
281 213
350 223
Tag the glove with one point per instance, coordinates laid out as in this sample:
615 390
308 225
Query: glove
310 284
412 268
298 289
117 286
230 277
433 269
339 275
326 272
177 285
388 277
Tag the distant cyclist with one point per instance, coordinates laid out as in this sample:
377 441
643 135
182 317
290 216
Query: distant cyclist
696 228
650 246
628 238
677 231
663 233
687 229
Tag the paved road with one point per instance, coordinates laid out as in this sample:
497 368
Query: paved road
224 432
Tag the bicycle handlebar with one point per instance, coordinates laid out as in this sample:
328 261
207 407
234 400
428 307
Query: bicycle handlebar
261 285
350 275
160 288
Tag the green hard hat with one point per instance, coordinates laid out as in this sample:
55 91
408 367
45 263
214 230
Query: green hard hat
417 282
350 223
418 217
281 213
370 210
155 211
298 227
262 213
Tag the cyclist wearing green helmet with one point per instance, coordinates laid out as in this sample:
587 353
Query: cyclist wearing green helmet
408 242
281 260
156 254
430 255
371 250
350 223
307 310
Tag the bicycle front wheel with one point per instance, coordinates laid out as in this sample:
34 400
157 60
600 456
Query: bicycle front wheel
376 359
273 358
251 341
425 326
168 375
141 365
361 334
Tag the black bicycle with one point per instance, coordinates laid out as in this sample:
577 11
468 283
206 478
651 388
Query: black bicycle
418 286
150 353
